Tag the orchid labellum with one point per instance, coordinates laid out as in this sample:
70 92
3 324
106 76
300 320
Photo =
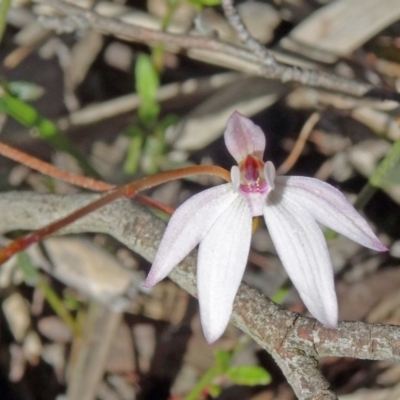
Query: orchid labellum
220 220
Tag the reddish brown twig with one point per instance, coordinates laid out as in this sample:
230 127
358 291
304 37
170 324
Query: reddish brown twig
75 179
52 171
126 191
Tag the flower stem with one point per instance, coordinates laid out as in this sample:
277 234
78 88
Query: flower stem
126 191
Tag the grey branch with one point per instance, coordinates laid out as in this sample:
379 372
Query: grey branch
233 17
265 65
295 342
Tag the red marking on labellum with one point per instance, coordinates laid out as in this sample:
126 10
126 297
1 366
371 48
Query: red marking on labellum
252 175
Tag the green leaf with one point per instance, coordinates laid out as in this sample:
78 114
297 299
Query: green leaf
49 131
222 360
20 111
280 295
134 150
148 112
152 150
205 3
392 176
26 91
71 302
204 382
330 235
214 391
27 116
147 83
3 106
147 80
248 375
168 121
30 272
387 171
158 53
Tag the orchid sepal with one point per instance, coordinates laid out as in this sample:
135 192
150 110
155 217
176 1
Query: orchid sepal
187 227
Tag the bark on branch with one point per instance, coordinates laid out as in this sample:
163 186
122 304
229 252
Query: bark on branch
265 66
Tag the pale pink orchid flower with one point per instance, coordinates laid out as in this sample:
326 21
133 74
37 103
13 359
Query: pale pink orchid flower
220 220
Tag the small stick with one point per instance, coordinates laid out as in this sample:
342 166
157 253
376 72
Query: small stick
52 171
76 180
272 70
300 143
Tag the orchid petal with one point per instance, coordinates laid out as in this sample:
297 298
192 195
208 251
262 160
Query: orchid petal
187 227
222 259
329 207
270 174
302 249
243 137
235 177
